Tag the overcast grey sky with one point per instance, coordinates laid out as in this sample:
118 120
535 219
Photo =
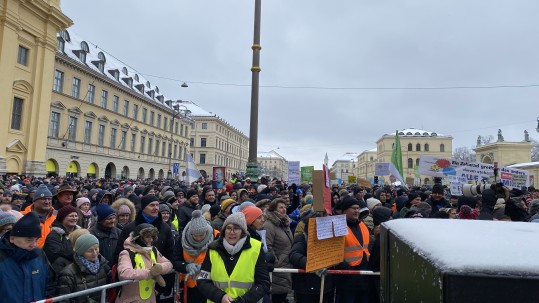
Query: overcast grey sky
349 52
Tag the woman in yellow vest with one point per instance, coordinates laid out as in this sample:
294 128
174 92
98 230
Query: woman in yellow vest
190 253
234 269
141 261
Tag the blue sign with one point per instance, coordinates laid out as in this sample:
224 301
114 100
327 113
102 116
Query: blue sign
176 168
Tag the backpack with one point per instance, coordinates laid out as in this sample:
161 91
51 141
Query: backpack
113 293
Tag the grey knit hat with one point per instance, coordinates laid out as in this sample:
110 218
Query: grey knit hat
42 192
237 219
84 243
198 224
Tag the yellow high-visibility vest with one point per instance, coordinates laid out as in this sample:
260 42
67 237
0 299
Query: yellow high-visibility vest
145 286
243 275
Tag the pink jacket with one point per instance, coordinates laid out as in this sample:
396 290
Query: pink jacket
130 292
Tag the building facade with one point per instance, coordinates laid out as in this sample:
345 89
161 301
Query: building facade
273 164
215 143
365 164
344 166
105 120
27 53
414 143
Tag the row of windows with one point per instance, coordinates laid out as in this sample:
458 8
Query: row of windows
426 147
58 86
54 132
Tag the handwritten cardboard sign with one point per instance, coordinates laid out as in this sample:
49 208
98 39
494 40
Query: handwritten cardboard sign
322 253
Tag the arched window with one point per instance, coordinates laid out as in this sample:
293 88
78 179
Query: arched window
417 162
426 147
136 78
442 148
124 70
418 147
409 146
410 163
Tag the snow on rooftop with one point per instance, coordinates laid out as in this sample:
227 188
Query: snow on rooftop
473 246
415 132
74 45
270 154
347 157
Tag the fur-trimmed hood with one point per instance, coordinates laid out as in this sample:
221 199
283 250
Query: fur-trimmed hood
123 201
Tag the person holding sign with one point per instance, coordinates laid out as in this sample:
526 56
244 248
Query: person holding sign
234 269
354 288
307 286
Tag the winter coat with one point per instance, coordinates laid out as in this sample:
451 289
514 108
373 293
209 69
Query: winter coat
58 247
261 276
22 279
116 206
279 240
437 204
108 240
270 257
85 221
184 215
165 240
76 277
130 292
354 282
45 224
218 221
305 283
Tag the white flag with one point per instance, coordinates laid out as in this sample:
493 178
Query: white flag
191 172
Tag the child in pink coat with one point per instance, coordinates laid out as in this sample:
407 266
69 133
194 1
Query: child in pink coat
149 266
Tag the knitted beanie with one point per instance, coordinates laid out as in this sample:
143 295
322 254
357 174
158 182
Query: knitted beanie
64 212
84 243
146 200
42 192
124 210
103 211
348 202
226 203
191 193
372 203
163 207
28 226
7 218
82 200
198 224
251 214
237 219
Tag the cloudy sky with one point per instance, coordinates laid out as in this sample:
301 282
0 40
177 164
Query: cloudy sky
336 75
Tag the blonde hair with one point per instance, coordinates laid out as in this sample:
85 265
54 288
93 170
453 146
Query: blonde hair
74 235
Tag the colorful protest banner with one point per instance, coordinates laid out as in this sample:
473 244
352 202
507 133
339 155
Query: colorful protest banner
322 253
352 179
307 173
293 172
471 171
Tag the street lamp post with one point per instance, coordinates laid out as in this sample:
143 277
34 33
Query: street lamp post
252 166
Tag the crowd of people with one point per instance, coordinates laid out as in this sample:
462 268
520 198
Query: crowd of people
62 235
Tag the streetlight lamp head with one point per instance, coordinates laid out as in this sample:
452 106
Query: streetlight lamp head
184 84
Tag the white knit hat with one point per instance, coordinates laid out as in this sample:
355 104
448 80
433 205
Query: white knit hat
237 219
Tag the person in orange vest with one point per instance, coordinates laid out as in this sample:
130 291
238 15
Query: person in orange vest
191 251
42 207
354 288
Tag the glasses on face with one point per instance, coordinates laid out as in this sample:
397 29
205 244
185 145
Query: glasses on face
234 229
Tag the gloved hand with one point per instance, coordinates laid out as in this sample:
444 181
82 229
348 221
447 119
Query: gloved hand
156 270
321 272
193 269
239 300
160 281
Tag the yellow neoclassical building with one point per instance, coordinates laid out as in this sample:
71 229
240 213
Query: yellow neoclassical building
28 46
215 143
107 121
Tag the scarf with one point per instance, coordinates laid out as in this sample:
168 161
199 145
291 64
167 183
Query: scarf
18 254
234 249
277 218
194 248
87 213
148 219
93 267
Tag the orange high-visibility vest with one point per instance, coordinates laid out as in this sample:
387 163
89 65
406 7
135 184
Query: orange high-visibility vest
191 281
353 250
46 226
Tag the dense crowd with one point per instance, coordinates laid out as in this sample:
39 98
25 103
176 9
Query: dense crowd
62 235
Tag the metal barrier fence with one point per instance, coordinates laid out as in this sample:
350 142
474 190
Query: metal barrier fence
177 290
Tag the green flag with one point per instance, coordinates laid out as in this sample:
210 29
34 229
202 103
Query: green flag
396 154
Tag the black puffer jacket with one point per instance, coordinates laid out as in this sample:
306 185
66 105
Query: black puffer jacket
77 277
305 283
108 240
255 293
58 248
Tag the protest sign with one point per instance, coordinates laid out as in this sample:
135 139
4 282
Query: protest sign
322 253
293 172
